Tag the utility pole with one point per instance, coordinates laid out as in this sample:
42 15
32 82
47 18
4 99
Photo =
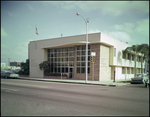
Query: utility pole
93 54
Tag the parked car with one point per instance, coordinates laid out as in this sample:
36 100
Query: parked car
8 74
140 78
15 70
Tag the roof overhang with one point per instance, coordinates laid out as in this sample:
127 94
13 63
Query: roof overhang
75 44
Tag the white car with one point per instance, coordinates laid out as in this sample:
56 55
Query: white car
8 74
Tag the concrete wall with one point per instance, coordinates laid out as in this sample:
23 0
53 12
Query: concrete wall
36 57
117 62
68 41
122 77
112 73
105 70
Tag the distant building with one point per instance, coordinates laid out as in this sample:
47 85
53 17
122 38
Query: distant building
15 63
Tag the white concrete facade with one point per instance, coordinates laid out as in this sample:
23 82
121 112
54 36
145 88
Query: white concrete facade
111 51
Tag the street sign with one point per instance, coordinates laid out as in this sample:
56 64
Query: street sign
93 53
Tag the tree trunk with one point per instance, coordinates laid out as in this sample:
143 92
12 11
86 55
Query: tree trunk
135 61
135 66
145 67
141 65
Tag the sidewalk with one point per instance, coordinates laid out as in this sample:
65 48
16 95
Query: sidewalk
103 83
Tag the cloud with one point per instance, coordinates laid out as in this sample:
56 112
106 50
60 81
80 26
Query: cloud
68 5
3 33
19 52
29 26
9 13
143 27
122 36
90 31
29 6
107 7
127 27
136 27
93 31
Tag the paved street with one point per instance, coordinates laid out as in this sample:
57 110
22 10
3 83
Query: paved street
26 97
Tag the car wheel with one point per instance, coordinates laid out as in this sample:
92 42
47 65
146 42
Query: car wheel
5 77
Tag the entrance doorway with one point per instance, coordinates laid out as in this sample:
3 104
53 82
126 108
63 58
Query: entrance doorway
71 73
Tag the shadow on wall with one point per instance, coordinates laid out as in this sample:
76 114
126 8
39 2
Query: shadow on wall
119 58
130 62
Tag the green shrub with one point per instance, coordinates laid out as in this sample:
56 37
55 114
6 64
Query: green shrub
24 68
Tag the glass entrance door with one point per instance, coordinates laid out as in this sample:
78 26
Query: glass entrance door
71 73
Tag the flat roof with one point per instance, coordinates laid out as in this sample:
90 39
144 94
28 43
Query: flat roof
66 37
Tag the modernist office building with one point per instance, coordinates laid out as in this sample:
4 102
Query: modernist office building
67 55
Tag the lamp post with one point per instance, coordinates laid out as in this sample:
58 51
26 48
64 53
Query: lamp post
86 21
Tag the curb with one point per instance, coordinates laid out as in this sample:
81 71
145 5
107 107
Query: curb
111 85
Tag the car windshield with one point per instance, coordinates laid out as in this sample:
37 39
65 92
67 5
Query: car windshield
139 75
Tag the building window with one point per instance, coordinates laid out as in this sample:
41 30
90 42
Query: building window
123 55
132 57
132 70
114 52
81 59
137 70
78 69
123 70
128 56
128 70
138 59
60 59
82 69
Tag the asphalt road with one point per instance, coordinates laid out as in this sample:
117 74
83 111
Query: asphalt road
28 98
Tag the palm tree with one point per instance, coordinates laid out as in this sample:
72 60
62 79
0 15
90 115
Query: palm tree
135 49
144 49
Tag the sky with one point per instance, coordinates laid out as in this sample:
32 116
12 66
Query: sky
127 21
